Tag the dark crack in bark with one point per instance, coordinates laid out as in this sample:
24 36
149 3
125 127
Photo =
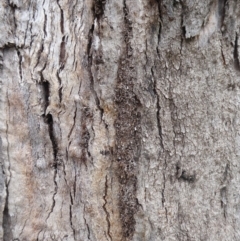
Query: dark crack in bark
235 54
223 194
7 232
20 63
74 122
49 121
160 20
70 217
45 88
88 229
158 110
105 209
61 17
221 12
62 53
99 6
159 125
91 77
39 52
45 24
60 86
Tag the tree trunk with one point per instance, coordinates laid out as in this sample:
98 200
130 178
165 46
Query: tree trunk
119 120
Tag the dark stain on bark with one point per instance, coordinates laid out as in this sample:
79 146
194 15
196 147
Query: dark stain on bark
128 134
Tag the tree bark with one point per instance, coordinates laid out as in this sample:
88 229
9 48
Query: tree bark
119 120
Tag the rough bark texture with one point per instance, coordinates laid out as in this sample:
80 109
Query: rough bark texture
119 120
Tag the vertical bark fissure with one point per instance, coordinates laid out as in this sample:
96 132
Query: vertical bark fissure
19 63
183 33
174 117
6 216
61 17
222 54
39 234
31 36
105 208
45 24
89 54
235 54
48 119
160 20
74 122
7 233
88 229
13 7
224 189
62 52
223 195
26 33
60 86
25 222
39 53
70 188
221 12
158 109
45 93
70 218
159 125
99 6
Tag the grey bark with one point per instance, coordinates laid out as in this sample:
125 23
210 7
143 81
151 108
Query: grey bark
119 120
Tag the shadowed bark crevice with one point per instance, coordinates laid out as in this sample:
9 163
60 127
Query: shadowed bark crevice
7 229
160 20
91 77
105 208
221 12
61 17
99 6
158 109
7 232
235 54
20 64
45 88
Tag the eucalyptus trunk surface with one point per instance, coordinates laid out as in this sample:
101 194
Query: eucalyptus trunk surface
119 120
